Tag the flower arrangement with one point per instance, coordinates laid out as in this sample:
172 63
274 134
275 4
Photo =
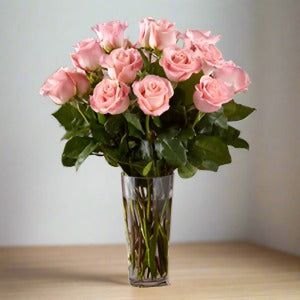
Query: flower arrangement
161 104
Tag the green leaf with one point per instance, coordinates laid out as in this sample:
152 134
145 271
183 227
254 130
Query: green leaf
68 117
118 154
156 69
236 112
172 151
204 149
134 120
133 132
231 137
147 169
240 143
123 146
187 170
114 124
101 118
72 150
228 135
131 144
209 165
79 132
186 89
169 133
110 160
157 122
138 166
144 58
75 146
84 154
112 153
88 113
68 162
99 134
186 134
218 118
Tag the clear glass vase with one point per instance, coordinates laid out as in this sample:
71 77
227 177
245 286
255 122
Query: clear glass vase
147 207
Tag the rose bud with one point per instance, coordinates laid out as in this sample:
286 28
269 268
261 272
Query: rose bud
88 55
157 34
111 34
64 84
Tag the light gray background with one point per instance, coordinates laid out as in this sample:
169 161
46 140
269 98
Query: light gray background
256 198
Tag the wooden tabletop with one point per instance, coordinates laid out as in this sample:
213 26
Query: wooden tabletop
197 271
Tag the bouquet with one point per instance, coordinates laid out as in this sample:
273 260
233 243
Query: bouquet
160 104
150 107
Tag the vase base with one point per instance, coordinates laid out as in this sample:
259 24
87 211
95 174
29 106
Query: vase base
148 282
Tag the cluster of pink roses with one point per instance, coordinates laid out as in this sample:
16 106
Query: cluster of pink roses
121 63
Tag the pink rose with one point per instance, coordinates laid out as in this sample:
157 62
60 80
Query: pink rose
80 80
123 65
110 97
179 64
153 94
64 84
88 55
111 34
157 33
200 37
233 76
211 93
209 55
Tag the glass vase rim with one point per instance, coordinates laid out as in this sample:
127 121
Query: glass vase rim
123 174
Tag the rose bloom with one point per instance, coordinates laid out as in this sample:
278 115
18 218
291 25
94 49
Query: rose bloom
179 64
233 76
88 55
209 55
200 37
153 94
211 93
64 84
123 64
111 34
157 33
110 96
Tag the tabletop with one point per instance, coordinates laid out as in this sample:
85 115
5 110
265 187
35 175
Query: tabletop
197 271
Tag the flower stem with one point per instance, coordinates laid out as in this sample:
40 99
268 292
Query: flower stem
148 228
199 116
79 110
149 139
148 133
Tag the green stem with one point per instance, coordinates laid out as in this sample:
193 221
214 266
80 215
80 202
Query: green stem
144 231
149 139
148 237
147 124
163 210
199 116
148 199
79 110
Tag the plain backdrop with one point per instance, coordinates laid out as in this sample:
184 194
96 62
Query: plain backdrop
256 198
